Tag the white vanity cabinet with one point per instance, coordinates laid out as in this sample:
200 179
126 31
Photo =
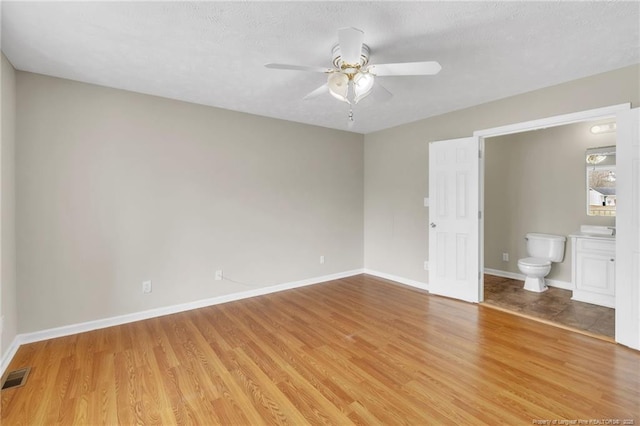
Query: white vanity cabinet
594 268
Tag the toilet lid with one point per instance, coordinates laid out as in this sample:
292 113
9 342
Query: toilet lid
534 261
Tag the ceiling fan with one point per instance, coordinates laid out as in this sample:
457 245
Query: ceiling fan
352 78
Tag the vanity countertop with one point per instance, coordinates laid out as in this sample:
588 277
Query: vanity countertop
579 234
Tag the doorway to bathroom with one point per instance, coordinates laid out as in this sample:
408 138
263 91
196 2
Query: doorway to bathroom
626 245
535 181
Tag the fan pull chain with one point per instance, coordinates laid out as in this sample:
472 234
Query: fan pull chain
351 121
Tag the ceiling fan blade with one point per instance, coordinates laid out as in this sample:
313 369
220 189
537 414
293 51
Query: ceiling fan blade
298 68
380 93
319 91
350 41
406 68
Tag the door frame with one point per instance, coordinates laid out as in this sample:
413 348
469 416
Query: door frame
543 123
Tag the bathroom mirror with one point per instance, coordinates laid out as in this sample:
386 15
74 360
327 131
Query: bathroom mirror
601 181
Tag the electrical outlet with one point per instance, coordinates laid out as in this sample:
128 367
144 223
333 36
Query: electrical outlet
505 257
219 275
146 286
321 260
426 265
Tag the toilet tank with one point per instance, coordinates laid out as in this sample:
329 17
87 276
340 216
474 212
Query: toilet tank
546 246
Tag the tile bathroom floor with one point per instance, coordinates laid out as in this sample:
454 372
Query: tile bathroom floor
554 305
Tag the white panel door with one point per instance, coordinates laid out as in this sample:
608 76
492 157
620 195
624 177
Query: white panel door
628 228
454 267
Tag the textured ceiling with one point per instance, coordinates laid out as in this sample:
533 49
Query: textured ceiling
213 53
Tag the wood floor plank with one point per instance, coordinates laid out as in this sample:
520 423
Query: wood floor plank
359 350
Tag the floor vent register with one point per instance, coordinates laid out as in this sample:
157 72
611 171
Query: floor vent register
15 378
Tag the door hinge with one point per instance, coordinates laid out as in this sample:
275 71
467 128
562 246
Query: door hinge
479 215
480 154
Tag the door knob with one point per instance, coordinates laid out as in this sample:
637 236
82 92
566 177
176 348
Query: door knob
433 225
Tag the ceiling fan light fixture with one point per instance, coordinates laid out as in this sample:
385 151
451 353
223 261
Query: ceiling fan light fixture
339 86
352 78
362 85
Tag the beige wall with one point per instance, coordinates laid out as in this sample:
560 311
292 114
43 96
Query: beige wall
535 182
116 188
8 303
396 162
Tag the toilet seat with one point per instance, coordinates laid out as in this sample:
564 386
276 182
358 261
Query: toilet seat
534 261
534 269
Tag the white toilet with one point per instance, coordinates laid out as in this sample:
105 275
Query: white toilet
543 249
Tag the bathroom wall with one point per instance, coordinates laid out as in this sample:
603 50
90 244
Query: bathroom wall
535 182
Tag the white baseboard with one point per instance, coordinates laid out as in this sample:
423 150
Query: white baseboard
9 354
401 280
515 276
67 330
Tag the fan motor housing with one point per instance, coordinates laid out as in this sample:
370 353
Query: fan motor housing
339 64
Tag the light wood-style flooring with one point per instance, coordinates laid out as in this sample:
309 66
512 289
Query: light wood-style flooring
359 350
